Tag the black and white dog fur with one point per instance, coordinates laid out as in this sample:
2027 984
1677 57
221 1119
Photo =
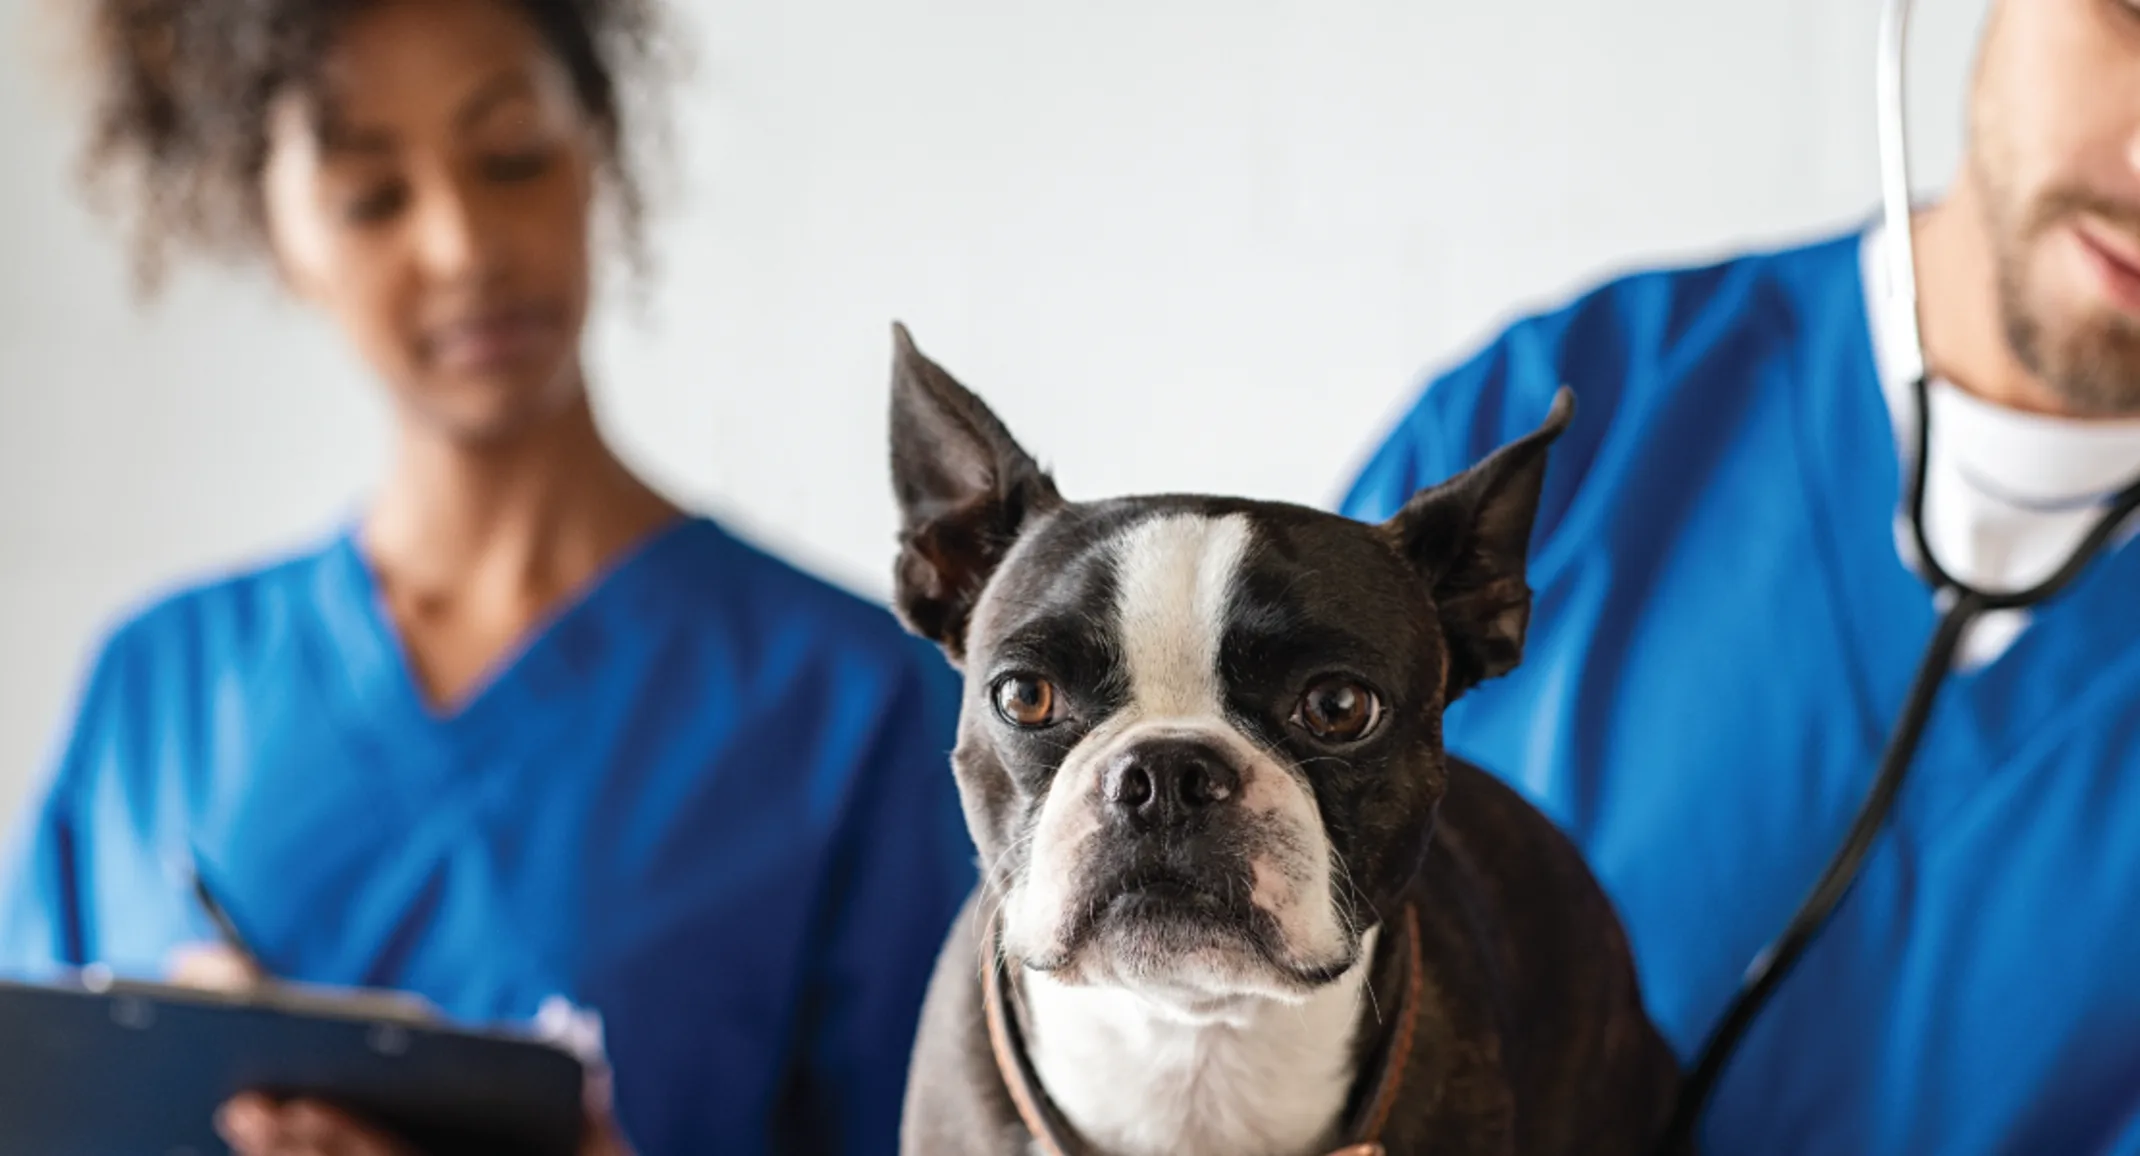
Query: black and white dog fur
1201 757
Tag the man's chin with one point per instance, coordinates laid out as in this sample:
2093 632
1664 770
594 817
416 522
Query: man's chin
2070 307
2092 366
2084 352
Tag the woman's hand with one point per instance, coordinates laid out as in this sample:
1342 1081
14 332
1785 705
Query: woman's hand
254 1125
212 967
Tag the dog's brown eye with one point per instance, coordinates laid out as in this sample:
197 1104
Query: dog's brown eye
1338 710
1025 700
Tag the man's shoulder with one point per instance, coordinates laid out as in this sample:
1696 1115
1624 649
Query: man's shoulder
1648 314
1636 341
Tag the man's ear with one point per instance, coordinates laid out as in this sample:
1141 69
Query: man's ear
965 490
1470 539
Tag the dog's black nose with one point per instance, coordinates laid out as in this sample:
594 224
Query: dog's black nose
1169 780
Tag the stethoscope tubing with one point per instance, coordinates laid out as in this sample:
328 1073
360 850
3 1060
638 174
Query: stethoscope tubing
1965 604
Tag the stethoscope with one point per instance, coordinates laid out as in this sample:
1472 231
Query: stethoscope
1964 605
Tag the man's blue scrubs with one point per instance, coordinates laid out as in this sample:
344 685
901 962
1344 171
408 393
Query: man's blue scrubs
1724 633
711 801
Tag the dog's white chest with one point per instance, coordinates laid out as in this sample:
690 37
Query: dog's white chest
1137 1078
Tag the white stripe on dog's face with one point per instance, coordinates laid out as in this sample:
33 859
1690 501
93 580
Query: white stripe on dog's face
1174 578
1174 581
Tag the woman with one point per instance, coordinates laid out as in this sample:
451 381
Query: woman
524 730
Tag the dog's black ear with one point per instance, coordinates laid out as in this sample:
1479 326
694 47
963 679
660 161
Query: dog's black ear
965 490
1470 538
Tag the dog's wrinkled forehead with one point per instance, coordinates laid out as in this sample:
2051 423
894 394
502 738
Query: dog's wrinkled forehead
1180 603
992 558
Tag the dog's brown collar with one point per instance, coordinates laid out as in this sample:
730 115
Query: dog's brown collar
1055 1136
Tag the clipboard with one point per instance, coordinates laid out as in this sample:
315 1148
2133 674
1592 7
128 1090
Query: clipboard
132 1069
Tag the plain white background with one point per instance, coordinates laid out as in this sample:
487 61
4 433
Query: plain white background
1180 244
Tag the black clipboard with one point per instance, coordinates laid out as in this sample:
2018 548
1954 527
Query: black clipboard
124 1069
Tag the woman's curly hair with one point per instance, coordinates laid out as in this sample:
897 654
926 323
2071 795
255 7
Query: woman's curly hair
184 89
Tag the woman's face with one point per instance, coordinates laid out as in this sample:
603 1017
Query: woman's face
434 197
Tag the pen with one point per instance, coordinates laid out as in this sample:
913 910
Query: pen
226 929
378 1007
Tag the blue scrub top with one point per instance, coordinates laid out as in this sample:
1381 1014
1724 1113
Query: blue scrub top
711 800
1723 635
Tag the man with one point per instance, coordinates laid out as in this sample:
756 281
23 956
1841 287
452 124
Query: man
1727 623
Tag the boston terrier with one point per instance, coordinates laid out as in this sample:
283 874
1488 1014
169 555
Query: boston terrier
1236 899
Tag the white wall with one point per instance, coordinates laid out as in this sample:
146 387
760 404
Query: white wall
1200 244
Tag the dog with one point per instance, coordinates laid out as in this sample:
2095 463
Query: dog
1236 900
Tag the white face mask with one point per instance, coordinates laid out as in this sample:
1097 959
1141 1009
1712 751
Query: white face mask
2008 495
